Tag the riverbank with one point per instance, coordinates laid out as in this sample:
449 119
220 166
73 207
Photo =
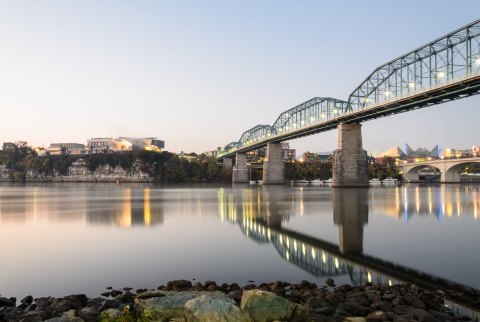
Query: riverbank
182 300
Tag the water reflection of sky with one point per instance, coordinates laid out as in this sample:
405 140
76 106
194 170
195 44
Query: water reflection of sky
91 235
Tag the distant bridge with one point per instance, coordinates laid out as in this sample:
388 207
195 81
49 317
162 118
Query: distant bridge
449 168
445 69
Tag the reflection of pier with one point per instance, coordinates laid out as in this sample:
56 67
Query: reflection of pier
322 258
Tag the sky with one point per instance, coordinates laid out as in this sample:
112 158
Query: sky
197 74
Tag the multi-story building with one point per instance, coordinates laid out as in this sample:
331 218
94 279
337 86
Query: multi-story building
65 149
323 157
105 145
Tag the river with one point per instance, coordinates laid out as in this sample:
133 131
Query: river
59 239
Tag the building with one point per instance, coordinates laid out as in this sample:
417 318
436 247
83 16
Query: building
65 149
409 155
106 145
99 145
323 157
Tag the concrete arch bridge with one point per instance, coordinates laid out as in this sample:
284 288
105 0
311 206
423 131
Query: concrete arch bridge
449 168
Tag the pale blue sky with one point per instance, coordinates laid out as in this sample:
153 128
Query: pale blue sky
199 73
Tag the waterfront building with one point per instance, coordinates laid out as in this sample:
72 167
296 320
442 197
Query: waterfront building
409 155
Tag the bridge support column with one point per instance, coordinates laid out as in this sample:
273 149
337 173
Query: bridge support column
350 213
350 165
273 167
240 170
227 163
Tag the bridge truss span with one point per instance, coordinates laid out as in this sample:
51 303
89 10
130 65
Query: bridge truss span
453 57
445 69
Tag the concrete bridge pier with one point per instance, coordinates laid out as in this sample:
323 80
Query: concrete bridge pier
227 163
350 164
350 213
273 167
240 170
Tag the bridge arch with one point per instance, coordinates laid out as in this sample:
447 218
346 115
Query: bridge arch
452 173
411 173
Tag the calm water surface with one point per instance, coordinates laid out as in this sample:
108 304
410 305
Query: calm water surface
58 239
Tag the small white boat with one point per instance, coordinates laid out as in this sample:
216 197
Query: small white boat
390 181
316 181
375 181
253 182
301 181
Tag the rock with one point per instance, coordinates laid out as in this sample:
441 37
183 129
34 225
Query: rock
110 315
208 283
207 308
141 290
355 319
250 287
388 296
106 294
330 282
27 300
374 296
31 318
88 314
418 315
376 316
65 319
313 303
166 305
353 308
328 310
236 295
179 285
414 301
115 293
234 287
6 302
265 306
334 298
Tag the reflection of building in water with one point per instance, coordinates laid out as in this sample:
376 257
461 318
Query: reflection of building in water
126 208
417 200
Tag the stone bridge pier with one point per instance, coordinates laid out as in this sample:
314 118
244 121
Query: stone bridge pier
273 166
350 164
240 170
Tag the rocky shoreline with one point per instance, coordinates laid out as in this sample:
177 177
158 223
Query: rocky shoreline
182 300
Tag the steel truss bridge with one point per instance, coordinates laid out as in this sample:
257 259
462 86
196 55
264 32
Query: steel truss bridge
445 69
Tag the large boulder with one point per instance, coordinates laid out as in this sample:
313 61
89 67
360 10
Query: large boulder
264 306
167 305
207 308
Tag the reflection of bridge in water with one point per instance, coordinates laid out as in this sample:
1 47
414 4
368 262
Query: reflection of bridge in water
261 219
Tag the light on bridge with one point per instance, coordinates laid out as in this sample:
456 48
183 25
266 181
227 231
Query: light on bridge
441 74
411 85
477 61
387 93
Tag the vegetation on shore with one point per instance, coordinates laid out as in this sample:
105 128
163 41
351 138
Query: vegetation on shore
164 167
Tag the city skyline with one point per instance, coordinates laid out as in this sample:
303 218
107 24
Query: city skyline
197 76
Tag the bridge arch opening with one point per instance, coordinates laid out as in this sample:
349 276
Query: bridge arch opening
453 174
422 173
